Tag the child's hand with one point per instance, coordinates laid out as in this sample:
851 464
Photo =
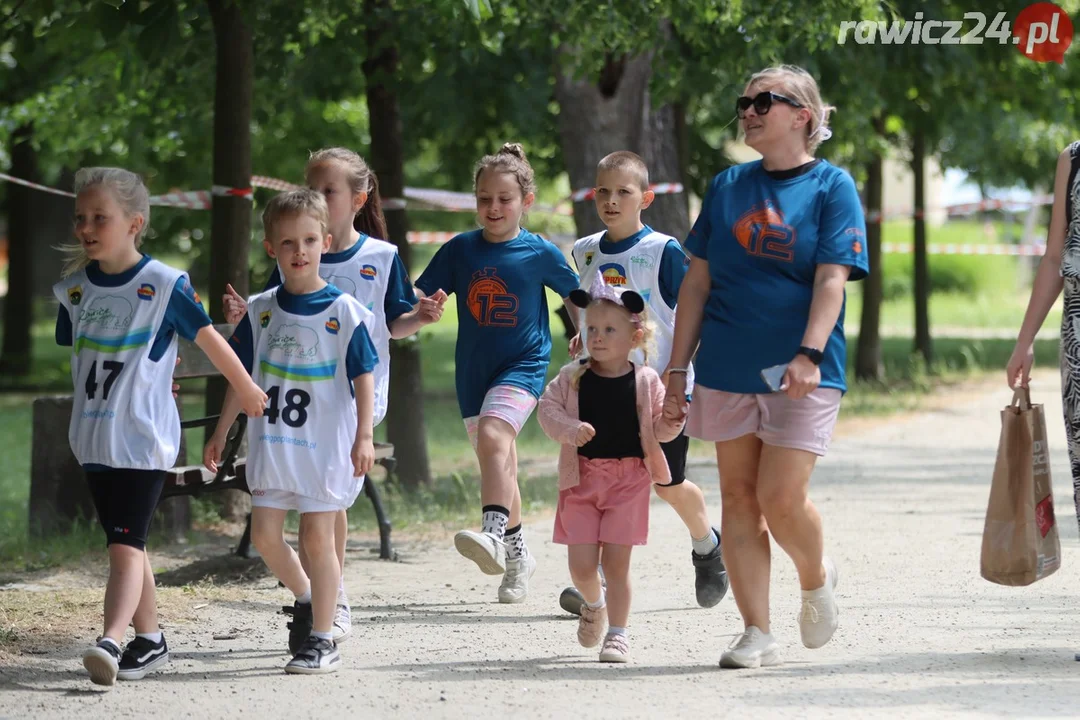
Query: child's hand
363 456
674 407
575 346
211 454
585 433
234 306
252 399
431 308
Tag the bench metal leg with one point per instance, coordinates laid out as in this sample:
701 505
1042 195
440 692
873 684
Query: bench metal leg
372 491
244 548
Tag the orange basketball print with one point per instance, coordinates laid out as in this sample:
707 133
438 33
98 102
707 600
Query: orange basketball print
763 232
490 302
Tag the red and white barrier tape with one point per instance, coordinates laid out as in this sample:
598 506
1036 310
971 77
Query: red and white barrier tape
273 183
585 194
27 183
951 249
194 199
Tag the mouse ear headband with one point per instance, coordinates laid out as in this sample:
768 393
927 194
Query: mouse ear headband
600 290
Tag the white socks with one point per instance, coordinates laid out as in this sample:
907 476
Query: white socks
705 545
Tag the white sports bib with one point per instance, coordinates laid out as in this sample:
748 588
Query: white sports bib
303 441
124 415
366 276
637 269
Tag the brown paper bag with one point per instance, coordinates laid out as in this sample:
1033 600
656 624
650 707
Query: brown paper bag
1020 543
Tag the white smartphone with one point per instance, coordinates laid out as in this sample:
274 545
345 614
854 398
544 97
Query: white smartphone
774 377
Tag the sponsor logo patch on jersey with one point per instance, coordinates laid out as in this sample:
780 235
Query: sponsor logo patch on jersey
75 294
146 292
589 258
332 326
264 318
369 273
613 274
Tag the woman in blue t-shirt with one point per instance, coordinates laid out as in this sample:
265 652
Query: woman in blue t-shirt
774 244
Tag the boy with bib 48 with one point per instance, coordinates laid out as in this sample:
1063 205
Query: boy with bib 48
307 345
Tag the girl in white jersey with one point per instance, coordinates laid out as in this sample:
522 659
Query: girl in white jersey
121 312
359 264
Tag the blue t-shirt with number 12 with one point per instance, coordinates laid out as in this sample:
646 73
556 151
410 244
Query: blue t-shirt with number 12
764 237
503 331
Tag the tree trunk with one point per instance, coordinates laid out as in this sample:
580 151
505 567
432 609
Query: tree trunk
868 350
405 427
230 216
922 269
613 112
59 495
19 303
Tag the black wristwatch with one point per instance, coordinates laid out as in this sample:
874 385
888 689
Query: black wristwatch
815 355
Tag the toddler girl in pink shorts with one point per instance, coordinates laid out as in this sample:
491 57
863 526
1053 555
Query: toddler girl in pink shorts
608 415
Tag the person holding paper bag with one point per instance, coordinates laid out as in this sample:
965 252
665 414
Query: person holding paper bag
1059 270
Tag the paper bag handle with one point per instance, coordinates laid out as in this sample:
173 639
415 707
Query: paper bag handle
1021 398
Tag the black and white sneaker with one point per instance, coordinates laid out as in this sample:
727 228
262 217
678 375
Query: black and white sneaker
141 656
102 662
316 656
300 626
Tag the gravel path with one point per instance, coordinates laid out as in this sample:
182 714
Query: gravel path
921 634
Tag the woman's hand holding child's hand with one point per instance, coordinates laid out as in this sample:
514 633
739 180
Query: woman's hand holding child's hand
674 408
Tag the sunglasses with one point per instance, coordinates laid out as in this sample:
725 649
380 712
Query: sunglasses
762 103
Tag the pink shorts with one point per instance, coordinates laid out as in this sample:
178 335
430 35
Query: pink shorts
609 505
506 402
806 424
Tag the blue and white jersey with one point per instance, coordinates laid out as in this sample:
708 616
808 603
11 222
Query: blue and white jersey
122 330
304 351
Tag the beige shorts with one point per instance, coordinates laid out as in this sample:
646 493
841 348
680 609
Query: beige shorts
806 424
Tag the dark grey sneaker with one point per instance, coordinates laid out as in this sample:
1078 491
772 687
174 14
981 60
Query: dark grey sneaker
141 656
102 661
316 656
571 601
710 576
300 626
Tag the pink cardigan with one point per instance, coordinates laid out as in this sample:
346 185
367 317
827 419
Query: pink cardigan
558 416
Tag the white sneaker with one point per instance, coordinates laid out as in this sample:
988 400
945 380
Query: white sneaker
342 621
484 549
515 583
752 649
616 649
820 616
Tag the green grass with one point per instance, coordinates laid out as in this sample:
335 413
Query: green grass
1002 312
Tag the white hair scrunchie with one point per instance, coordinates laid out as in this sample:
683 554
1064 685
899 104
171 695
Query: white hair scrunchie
826 133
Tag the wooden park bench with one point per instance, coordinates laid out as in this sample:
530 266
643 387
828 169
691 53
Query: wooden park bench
195 480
